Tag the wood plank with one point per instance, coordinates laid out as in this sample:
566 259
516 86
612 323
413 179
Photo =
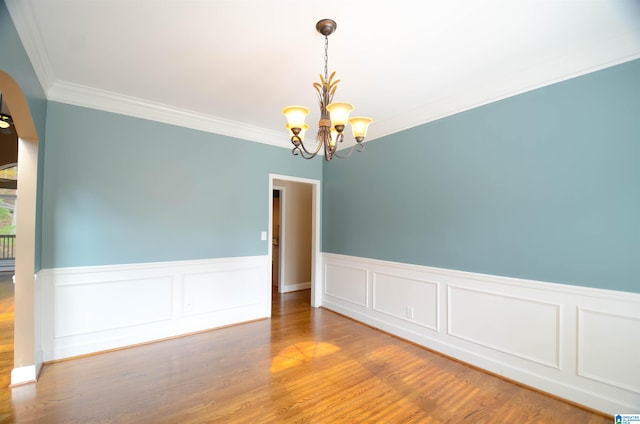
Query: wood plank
304 365
6 341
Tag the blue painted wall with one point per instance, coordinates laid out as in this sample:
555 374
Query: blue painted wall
126 190
544 185
15 62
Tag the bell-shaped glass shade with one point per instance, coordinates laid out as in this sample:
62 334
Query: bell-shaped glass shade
339 113
359 126
303 130
295 115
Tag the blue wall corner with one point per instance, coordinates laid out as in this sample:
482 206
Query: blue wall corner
544 185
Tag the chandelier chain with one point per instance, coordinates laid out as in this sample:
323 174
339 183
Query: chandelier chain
326 57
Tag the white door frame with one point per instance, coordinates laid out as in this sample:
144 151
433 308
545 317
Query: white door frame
316 263
282 238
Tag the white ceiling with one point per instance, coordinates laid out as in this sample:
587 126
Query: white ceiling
230 66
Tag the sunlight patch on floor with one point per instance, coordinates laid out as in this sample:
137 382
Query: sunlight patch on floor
299 353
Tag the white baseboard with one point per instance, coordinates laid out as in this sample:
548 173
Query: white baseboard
295 287
27 374
24 375
92 309
578 343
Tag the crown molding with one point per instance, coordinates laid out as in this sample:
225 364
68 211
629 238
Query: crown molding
61 91
25 24
473 97
80 95
610 52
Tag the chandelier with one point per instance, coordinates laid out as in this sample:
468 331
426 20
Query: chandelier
333 116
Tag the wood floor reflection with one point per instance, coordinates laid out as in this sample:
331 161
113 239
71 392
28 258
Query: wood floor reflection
304 365
6 337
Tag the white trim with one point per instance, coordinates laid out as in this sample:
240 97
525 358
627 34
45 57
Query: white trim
26 295
316 219
351 286
295 287
475 97
409 310
27 374
467 98
554 337
282 245
93 98
555 330
32 40
627 378
123 305
79 95
24 375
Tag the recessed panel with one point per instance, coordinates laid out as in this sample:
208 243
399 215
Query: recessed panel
215 291
346 283
406 298
525 328
98 306
607 344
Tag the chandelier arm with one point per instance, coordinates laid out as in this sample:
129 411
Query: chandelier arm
310 153
297 151
303 149
357 147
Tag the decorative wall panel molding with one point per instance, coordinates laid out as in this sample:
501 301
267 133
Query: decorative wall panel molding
347 284
521 327
605 340
416 303
577 343
91 309
110 305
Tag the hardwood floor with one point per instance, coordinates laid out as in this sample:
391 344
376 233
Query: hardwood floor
6 334
304 365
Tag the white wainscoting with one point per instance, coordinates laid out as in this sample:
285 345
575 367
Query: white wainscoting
578 343
91 309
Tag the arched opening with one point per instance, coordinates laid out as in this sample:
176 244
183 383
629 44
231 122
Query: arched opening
8 203
27 361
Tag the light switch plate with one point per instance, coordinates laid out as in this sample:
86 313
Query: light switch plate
263 235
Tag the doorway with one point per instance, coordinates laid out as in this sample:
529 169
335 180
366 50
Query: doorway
8 207
294 229
27 358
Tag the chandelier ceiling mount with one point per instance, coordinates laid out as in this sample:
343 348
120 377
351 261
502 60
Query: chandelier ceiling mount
326 27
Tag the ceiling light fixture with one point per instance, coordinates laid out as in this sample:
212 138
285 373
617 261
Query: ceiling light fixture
5 120
333 116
